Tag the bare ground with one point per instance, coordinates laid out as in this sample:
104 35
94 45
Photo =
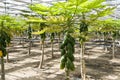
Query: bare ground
99 63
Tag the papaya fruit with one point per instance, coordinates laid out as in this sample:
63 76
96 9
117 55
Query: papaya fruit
1 53
62 65
70 56
83 27
72 67
62 62
63 52
68 63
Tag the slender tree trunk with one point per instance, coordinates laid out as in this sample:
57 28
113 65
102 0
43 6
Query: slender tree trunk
113 50
104 41
59 41
23 43
2 69
52 49
40 45
20 39
83 73
67 74
42 58
29 48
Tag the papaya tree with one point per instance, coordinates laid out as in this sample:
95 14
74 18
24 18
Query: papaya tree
29 31
67 46
42 34
46 27
78 12
5 38
80 9
109 27
86 8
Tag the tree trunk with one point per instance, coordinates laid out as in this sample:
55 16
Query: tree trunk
2 69
52 49
20 39
23 43
67 74
29 51
40 45
83 73
42 58
7 55
113 50
104 42
59 41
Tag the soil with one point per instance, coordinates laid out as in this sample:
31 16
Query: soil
99 63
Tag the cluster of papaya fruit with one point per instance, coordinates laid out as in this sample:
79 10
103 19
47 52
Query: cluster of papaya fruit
83 27
67 50
52 35
4 40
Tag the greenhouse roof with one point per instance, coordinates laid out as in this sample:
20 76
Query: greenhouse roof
18 7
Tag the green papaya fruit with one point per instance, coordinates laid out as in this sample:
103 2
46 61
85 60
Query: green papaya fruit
68 64
63 58
63 52
62 65
71 41
72 67
62 62
70 47
65 41
70 56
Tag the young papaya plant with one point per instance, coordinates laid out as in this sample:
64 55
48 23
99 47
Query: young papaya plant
4 40
6 28
86 21
43 36
83 31
110 27
29 31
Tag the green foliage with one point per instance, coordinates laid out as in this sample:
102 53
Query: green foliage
108 25
35 20
39 9
91 4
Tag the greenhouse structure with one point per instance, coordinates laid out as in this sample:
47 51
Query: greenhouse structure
59 39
